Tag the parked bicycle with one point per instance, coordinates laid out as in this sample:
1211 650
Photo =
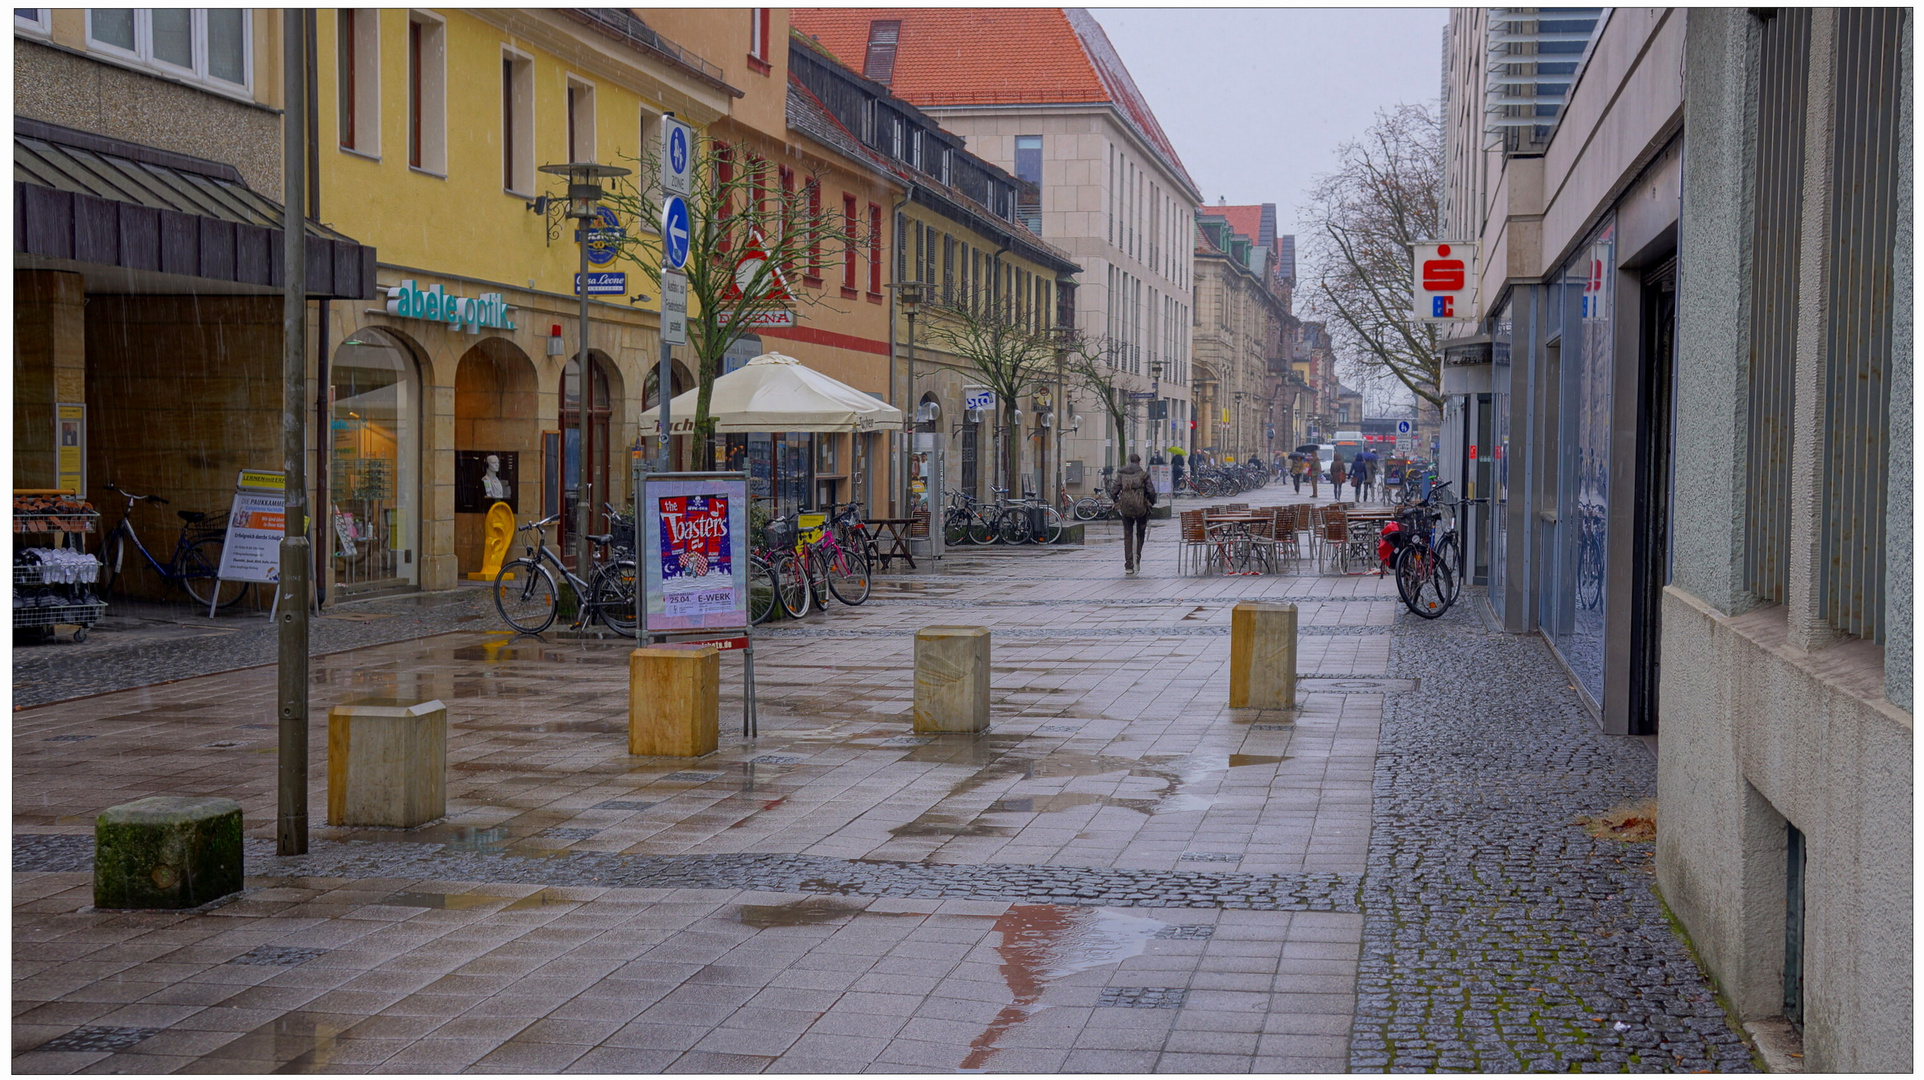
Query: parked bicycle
195 565
1429 558
833 562
526 596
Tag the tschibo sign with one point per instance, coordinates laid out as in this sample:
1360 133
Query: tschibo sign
409 301
1445 286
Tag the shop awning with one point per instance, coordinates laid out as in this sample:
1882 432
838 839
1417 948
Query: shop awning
773 392
94 201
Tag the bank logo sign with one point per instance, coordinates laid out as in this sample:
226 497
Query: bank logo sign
409 301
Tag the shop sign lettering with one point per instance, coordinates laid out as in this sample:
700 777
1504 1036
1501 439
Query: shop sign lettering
409 301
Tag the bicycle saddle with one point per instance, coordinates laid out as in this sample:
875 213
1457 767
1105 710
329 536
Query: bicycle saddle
605 538
191 517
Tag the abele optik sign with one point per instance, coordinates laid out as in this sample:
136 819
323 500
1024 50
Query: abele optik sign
409 301
1445 286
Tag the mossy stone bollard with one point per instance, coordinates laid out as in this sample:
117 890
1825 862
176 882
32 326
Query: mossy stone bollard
167 852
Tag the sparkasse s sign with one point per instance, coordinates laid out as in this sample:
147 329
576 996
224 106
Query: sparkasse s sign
1445 285
409 301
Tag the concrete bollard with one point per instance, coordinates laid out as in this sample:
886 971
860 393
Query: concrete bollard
167 852
387 762
674 701
1262 656
951 679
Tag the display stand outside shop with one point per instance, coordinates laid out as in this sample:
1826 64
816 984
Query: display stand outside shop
692 549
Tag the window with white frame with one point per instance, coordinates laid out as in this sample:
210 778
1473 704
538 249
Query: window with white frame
517 122
212 47
427 93
581 120
357 79
33 20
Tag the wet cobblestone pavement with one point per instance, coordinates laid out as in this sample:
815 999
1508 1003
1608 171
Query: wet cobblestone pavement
1122 876
1497 935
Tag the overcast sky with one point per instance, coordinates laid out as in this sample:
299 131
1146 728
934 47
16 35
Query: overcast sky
1257 99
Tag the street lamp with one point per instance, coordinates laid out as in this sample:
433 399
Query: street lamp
1155 399
1236 431
584 193
1064 338
909 295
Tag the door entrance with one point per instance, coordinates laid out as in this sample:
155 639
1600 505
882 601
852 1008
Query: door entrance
1651 544
596 455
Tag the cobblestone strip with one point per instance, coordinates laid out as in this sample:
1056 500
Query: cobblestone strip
1038 884
46 674
1498 935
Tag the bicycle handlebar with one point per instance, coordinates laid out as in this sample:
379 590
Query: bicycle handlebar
133 498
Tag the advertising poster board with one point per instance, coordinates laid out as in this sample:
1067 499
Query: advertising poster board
70 448
1159 475
694 540
252 551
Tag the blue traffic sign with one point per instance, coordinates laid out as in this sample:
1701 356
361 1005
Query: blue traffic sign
674 231
1402 427
678 149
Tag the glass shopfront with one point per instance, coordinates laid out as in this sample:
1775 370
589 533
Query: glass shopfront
1499 452
780 473
1578 596
374 452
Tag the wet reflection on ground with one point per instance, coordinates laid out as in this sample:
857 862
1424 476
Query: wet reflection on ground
1043 942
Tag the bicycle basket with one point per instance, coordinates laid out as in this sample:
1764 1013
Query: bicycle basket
779 534
623 530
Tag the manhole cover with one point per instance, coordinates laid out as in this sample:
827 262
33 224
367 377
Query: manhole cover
1269 727
93 1040
1056 729
691 777
1208 856
1189 932
621 804
776 759
569 834
276 956
907 740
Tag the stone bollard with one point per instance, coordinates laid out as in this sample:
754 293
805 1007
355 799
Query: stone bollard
951 679
674 701
1262 656
167 852
387 762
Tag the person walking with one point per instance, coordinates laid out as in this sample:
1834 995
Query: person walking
1297 467
1359 471
1338 476
1133 495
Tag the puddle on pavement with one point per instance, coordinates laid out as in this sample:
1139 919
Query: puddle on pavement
546 898
1237 761
448 901
295 1042
810 912
1044 942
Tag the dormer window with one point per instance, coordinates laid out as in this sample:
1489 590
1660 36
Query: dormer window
879 63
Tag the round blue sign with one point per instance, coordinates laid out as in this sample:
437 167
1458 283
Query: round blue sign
601 250
674 232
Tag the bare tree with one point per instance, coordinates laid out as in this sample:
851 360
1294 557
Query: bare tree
1385 195
1011 355
747 240
1091 363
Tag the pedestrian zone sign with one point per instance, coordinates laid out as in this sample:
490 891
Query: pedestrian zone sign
1445 281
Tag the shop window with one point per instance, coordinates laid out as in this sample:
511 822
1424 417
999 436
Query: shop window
581 121
357 79
427 93
213 48
374 452
517 123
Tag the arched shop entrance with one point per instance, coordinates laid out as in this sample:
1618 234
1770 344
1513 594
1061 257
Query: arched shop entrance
599 411
374 461
495 416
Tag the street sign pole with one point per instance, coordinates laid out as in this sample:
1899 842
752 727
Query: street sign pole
291 592
677 161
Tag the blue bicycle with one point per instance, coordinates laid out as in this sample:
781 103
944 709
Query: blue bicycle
196 562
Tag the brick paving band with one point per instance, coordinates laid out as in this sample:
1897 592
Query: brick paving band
1497 935
1035 884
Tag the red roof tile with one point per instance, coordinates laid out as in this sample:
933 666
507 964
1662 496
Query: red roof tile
995 56
1247 220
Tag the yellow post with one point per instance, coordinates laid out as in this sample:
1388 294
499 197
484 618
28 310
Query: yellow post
1262 656
674 700
494 547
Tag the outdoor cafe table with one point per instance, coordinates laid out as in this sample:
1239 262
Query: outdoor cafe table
889 540
1229 531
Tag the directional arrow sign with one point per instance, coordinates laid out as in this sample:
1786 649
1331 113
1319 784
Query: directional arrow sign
674 231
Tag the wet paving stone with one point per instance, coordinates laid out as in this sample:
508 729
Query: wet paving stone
1497 934
97 1039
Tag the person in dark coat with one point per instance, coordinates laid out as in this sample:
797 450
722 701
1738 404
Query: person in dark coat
1134 495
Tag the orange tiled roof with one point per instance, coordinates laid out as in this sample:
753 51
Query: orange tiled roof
1247 220
995 56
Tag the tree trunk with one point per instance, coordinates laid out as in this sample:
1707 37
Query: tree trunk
1012 447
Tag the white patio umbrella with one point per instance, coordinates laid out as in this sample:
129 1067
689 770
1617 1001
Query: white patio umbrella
773 392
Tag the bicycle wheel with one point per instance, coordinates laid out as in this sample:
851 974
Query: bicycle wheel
790 586
614 596
524 594
1051 526
199 573
1012 527
981 528
955 528
112 550
848 576
1449 553
1088 508
1427 586
764 591
1589 575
